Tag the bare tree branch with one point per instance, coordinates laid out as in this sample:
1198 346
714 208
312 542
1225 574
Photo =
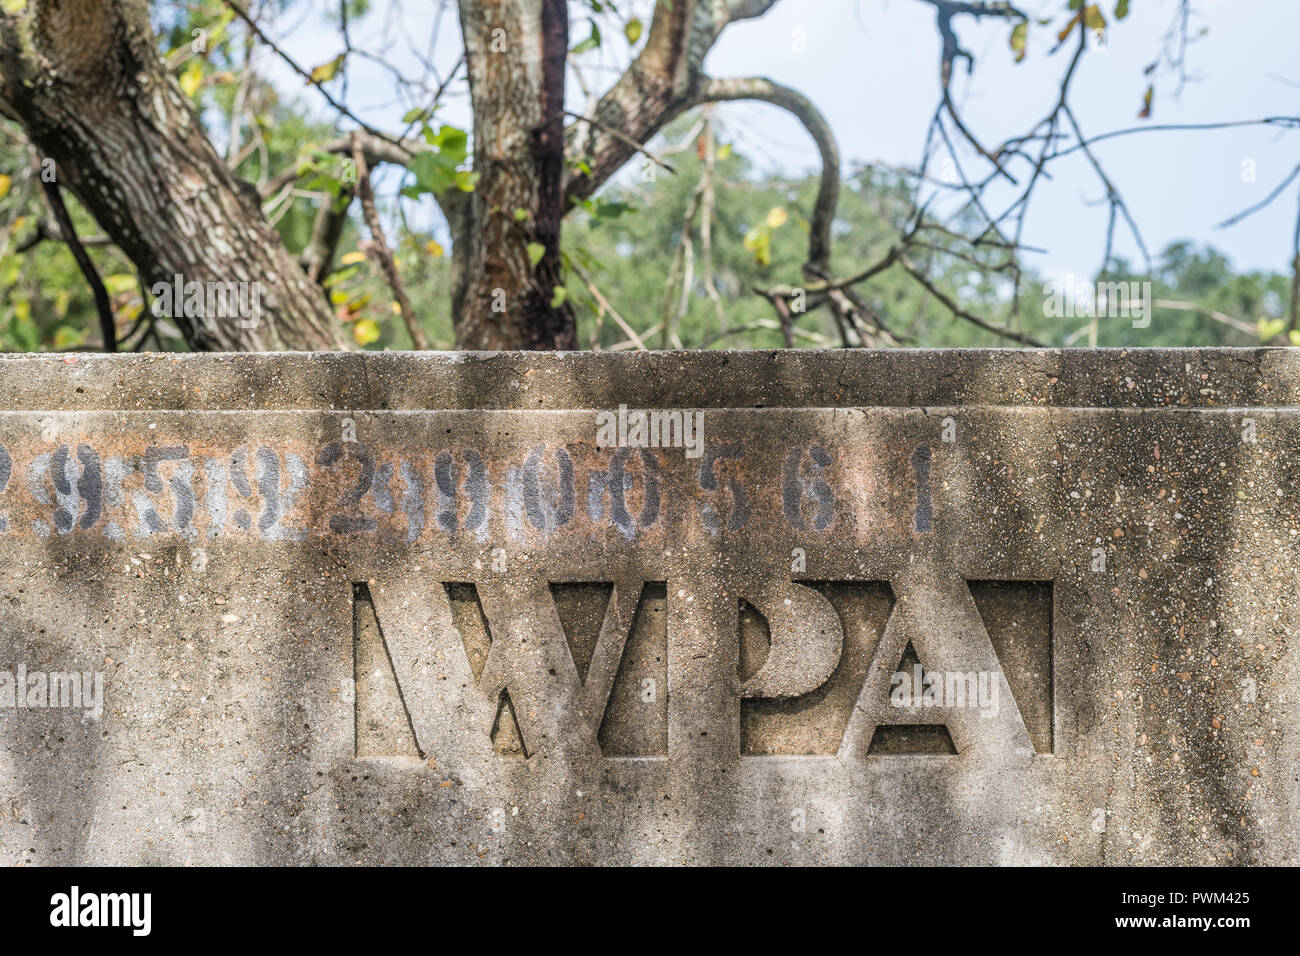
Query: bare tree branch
107 324
379 248
951 305
240 12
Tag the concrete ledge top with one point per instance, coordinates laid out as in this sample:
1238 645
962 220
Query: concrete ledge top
1065 378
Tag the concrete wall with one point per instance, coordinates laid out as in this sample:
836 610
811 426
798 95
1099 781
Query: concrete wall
407 609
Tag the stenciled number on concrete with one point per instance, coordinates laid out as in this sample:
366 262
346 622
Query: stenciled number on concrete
172 489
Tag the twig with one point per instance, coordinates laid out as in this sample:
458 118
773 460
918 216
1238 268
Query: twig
107 324
379 246
951 305
1221 317
624 139
605 304
293 65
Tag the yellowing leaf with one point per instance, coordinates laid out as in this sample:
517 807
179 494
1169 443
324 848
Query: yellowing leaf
1019 35
396 307
1093 19
777 217
724 151
1294 336
1069 27
1270 329
119 282
66 338
5 183
352 258
365 331
759 241
1147 97
192 78
14 6
327 71
632 30
434 249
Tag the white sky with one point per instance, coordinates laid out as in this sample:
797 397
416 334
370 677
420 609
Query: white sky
871 66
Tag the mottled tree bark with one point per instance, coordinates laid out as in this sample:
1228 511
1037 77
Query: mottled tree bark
84 80
516 52
86 83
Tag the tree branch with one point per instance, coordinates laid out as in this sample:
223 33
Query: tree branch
379 246
828 190
951 305
107 324
240 12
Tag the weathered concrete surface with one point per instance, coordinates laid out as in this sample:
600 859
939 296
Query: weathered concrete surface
402 609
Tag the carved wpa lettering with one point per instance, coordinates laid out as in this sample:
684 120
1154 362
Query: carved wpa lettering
526 666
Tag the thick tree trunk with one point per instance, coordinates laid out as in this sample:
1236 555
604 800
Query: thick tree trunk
510 231
83 79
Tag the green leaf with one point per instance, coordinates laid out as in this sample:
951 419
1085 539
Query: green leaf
633 30
559 296
452 143
590 43
328 70
1270 329
759 241
66 338
1121 9
605 210
119 282
535 253
431 172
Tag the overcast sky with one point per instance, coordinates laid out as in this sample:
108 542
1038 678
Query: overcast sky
871 66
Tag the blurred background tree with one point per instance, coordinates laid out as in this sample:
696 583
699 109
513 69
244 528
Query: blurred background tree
701 249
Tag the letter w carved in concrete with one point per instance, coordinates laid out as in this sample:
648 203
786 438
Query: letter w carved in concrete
455 687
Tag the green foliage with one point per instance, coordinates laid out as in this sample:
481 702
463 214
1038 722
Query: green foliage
624 240
760 237
442 167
